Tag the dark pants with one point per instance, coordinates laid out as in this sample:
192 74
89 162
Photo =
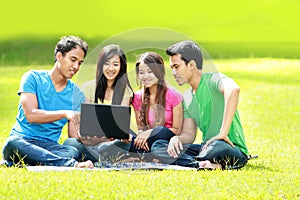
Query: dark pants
219 152
158 133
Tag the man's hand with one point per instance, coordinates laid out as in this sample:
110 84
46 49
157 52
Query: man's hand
175 146
73 116
218 137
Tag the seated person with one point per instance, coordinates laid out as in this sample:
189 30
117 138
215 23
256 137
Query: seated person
48 100
158 107
110 87
210 105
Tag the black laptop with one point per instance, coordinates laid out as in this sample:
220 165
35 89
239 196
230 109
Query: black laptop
112 121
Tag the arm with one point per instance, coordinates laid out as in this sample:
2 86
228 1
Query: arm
73 128
177 119
137 118
231 91
140 141
39 116
187 136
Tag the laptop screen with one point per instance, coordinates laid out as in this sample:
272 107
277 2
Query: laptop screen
112 121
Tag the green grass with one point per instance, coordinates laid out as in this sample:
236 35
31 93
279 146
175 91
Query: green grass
269 108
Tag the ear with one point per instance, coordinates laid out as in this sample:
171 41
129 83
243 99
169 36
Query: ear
192 65
58 56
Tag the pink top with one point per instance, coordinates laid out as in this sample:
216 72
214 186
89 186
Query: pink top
173 98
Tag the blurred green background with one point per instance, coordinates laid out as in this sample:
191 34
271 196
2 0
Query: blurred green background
226 29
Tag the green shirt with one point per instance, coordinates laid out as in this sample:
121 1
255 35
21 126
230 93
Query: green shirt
206 108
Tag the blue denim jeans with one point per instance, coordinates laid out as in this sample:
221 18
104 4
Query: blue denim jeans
35 152
217 152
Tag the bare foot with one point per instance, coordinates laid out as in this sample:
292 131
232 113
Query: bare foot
87 164
208 165
155 160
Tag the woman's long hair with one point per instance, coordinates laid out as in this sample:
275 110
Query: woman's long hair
121 81
155 62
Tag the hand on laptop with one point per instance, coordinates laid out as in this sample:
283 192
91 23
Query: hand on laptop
94 140
72 116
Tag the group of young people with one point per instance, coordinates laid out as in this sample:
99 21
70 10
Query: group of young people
167 120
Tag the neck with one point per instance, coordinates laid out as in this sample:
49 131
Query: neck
195 80
153 90
58 80
109 84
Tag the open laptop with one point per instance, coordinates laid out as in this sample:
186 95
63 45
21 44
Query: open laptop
112 121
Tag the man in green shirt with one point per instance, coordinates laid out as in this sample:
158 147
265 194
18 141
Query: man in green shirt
210 105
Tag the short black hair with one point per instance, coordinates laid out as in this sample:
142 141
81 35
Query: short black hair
188 50
67 43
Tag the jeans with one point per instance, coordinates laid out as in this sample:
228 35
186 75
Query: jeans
218 151
158 133
105 151
35 152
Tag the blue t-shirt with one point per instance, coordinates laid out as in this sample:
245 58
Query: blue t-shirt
40 84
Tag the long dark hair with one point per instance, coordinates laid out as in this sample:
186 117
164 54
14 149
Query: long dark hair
155 62
121 81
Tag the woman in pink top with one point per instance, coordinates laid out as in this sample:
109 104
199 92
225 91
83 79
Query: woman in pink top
158 108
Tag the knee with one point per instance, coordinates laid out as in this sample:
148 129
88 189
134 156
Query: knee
71 141
159 145
12 142
160 129
13 139
221 145
10 146
72 152
74 142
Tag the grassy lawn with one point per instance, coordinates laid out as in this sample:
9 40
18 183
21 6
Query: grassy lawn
230 31
270 111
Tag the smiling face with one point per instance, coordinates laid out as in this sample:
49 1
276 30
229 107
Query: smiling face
146 75
111 68
69 64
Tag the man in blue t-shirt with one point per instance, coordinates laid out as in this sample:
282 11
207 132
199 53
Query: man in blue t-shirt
48 100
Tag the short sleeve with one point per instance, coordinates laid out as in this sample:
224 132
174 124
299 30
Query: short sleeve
137 100
188 98
28 83
173 97
78 98
216 80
